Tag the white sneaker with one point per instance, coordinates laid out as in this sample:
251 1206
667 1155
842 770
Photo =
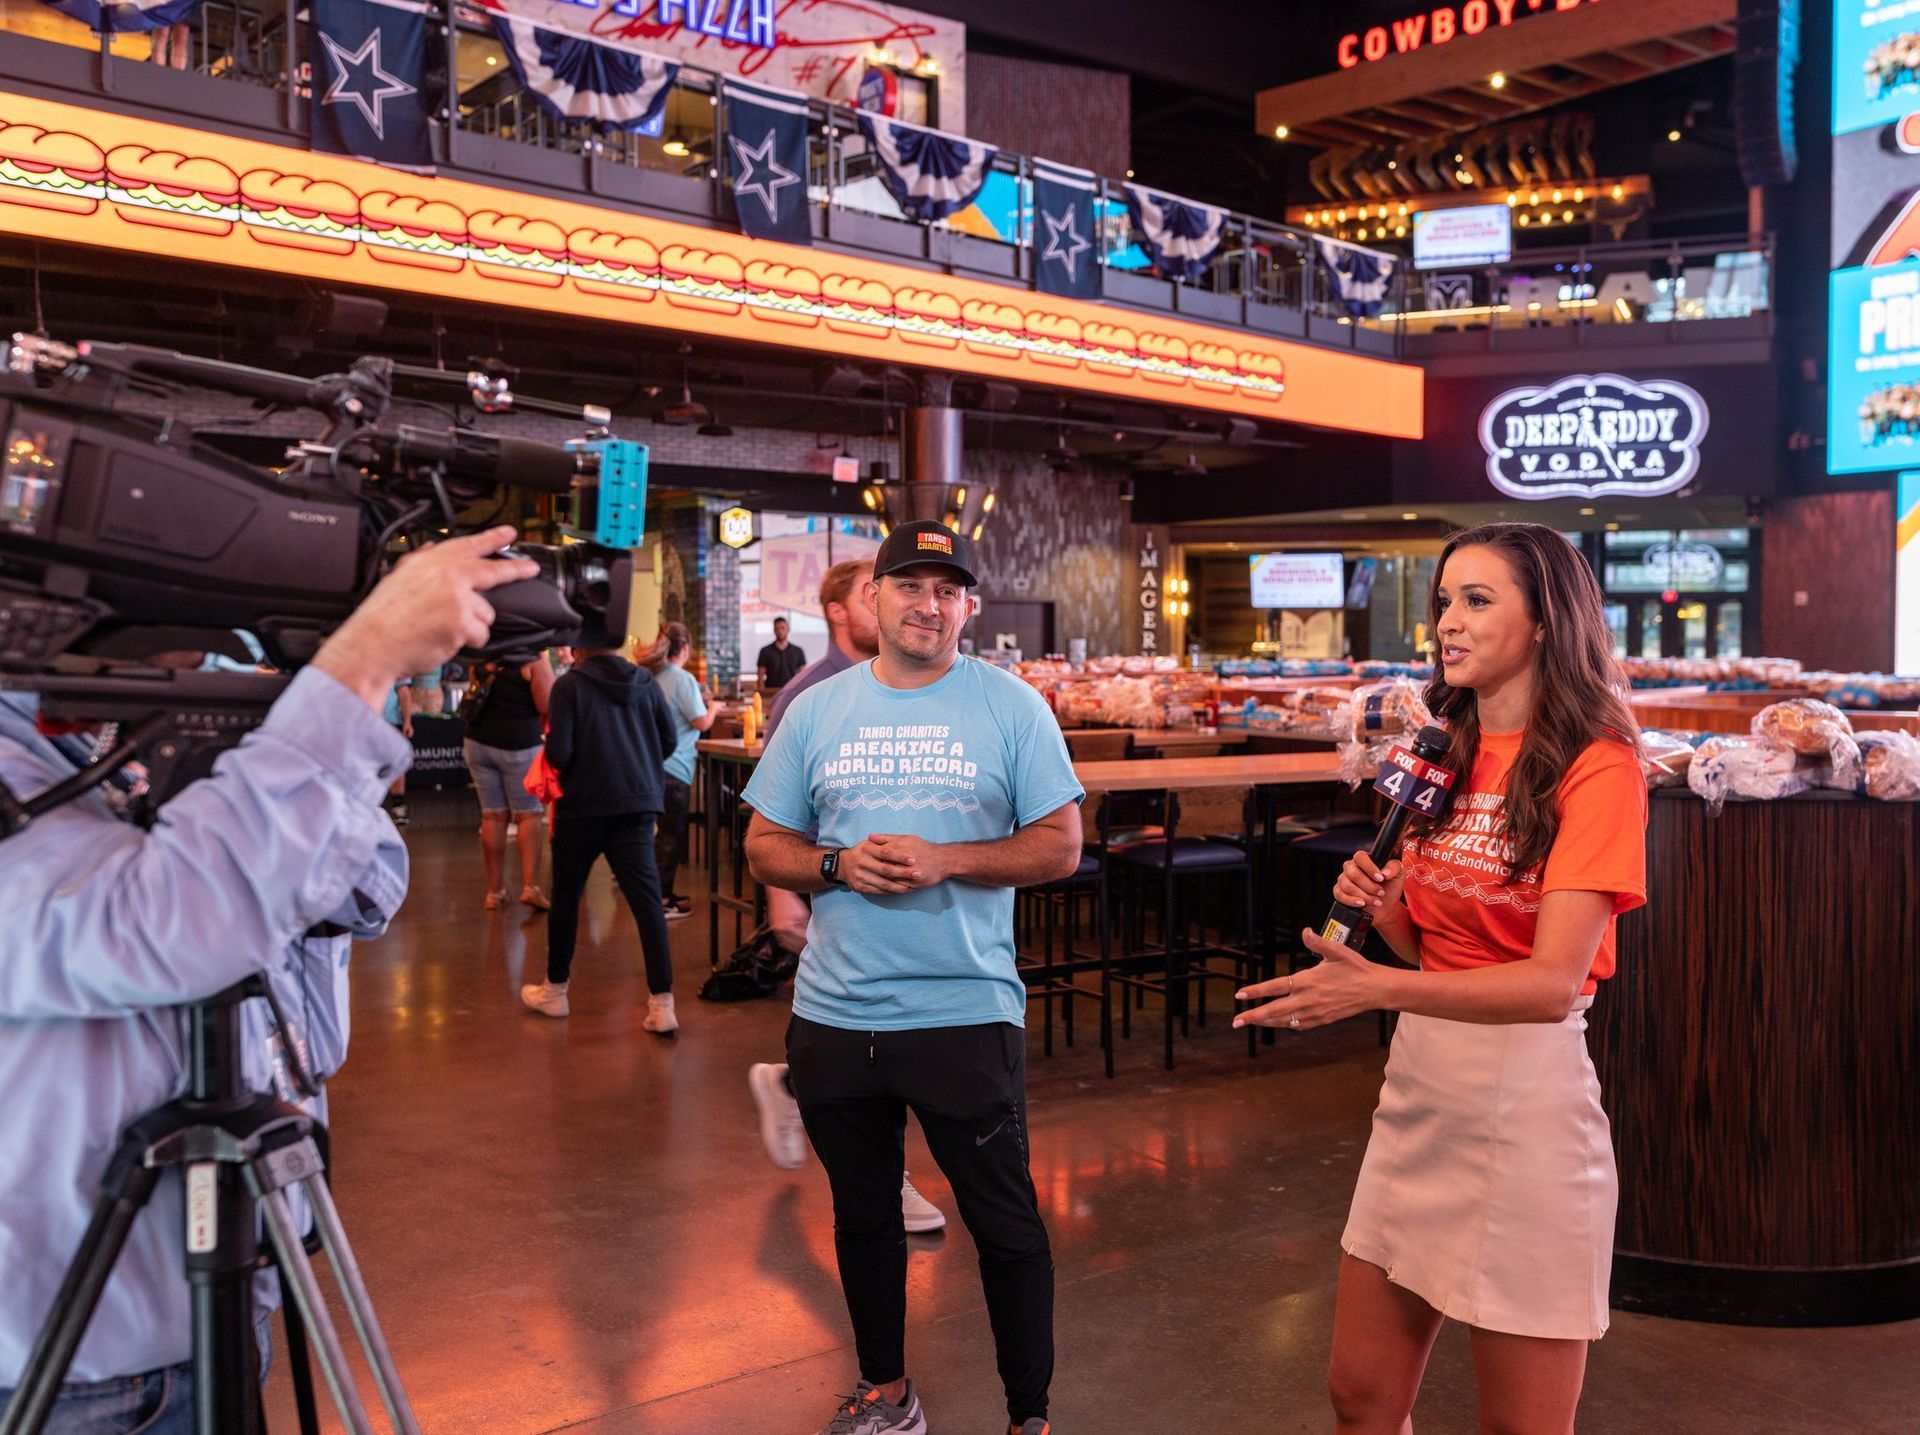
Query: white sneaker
545 998
921 1214
660 1019
780 1129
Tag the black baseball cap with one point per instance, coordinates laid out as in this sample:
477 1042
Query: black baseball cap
912 544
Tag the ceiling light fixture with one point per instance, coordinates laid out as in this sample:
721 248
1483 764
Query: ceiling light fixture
676 145
685 410
1280 132
1063 460
1498 80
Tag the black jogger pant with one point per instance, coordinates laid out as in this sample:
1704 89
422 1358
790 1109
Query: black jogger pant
627 843
670 836
968 1087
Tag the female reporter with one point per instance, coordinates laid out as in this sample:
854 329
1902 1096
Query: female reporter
1488 1190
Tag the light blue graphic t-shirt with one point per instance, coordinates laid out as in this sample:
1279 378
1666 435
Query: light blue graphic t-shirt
686 702
968 759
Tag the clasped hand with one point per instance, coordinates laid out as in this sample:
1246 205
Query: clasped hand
888 864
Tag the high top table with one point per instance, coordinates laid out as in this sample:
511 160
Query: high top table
718 757
1265 773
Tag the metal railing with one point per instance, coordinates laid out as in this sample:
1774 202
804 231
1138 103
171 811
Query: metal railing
1633 283
1261 265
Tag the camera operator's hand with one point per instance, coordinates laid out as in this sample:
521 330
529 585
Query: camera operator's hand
422 613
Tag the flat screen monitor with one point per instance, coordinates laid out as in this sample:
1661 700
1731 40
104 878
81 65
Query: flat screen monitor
1297 580
1472 234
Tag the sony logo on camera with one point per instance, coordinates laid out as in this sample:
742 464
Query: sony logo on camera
307 515
1593 434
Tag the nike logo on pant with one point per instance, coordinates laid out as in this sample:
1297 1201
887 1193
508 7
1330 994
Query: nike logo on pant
983 1140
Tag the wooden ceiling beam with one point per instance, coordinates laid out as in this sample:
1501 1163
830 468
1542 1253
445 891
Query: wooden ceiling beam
1430 115
1608 67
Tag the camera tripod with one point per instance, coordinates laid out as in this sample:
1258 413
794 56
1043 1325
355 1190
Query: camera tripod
239 1152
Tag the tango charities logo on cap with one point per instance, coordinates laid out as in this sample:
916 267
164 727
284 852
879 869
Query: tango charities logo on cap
1594 434
936 542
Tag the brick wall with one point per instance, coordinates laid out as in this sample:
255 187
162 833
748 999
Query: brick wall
1059 112
1837 549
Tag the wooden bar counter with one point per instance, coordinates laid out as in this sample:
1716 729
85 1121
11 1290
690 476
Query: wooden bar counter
1759 1051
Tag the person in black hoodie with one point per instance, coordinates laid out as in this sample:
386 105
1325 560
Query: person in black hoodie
608 734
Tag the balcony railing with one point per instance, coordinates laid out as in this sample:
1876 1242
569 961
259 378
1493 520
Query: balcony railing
1599 291
1266 276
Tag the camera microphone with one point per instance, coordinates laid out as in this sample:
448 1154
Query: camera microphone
1416 785
485 458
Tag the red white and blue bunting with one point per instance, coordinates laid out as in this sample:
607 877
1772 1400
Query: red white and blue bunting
930 173
587 81
1361 278
127 16
1181 237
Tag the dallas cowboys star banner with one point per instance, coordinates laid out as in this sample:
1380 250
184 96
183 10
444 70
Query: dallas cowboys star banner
369 65
930 173
1360 277
610 86
127 16
1065 259
1181 237
766 148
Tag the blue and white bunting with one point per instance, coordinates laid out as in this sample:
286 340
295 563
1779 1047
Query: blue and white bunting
127 16
369 68
1181 237
1361 278
766 150
930 173
1066 251
587 81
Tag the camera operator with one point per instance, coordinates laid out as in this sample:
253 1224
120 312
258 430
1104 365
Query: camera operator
108 926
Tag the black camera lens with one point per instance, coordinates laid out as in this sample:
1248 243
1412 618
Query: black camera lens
580 599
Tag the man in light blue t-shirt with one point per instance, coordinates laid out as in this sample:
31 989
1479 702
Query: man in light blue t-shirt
692 715
938 785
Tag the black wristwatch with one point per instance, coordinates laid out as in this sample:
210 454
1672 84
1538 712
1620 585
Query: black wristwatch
830 866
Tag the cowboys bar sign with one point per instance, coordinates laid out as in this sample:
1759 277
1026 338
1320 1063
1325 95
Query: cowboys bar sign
1591 435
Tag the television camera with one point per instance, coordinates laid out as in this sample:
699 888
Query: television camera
125 537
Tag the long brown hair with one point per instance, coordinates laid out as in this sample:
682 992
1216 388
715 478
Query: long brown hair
1576 683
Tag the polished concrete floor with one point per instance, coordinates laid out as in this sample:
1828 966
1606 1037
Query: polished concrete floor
571 1224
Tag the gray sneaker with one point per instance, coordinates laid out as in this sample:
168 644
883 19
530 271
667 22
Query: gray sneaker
865 1413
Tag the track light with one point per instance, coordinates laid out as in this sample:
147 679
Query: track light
686 409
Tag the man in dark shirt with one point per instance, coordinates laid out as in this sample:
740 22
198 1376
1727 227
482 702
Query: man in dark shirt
780 660
608 735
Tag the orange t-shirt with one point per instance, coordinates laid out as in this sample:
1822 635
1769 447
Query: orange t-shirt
1468 913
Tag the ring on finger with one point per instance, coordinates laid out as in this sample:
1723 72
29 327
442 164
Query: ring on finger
1294 1023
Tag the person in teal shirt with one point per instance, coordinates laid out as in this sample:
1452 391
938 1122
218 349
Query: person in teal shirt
939 785
692 715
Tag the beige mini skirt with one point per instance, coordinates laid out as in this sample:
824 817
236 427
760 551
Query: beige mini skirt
1488 1188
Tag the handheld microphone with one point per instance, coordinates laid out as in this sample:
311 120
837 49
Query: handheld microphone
1416 784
